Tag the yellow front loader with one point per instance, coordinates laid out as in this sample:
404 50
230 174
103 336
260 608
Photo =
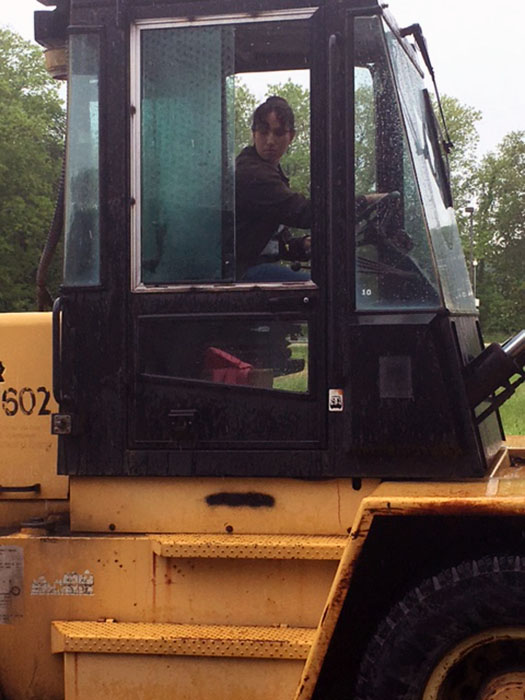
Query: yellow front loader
213 488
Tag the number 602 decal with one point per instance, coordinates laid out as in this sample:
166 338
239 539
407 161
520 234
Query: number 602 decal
27 401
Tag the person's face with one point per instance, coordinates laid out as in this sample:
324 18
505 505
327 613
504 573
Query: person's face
271 140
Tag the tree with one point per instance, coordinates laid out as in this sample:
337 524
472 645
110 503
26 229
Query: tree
296 163
31 142
462 128
245 104
500 235
365 136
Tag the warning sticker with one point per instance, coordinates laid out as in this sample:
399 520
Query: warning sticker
335 400
11 583
70 584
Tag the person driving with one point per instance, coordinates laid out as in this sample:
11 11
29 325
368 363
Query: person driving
265 203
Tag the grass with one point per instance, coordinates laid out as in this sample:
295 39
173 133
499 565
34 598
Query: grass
297 382
513 413
513 410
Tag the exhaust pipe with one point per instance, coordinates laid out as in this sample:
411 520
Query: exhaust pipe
515 348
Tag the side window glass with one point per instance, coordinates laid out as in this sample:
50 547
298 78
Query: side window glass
187 155
260 352
273 213
365 131
394 262
82 201
223 189
431 177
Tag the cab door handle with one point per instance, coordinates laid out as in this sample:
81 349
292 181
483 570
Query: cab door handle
305 301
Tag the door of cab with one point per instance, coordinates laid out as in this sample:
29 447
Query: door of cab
229 376
169 362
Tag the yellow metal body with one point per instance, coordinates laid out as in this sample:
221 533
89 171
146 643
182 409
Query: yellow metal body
179 505
27 448
262 608
152 592
94 676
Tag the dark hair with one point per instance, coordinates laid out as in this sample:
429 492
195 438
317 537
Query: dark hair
282 110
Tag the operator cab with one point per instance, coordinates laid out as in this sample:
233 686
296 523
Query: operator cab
167 361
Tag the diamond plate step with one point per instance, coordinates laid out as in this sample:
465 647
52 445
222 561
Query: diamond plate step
223 546
181 640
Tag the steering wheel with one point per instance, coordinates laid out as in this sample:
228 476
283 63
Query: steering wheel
373 217
368 204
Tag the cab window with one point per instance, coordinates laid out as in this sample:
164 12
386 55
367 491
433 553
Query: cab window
192 120
395 265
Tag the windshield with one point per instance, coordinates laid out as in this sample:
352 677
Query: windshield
424 150
395 267
408 251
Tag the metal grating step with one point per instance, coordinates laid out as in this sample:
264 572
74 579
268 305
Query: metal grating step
223 546
181 640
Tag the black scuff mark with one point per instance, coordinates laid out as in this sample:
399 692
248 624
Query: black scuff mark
2 370
250 499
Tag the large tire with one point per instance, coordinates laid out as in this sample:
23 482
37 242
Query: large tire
434 618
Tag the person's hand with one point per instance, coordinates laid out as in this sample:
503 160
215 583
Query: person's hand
307 246
367 213
296 248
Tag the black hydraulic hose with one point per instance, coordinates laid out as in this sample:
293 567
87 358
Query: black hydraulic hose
43 297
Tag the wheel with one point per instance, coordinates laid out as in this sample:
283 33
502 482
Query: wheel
459 635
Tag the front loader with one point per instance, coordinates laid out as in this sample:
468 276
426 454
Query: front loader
214 489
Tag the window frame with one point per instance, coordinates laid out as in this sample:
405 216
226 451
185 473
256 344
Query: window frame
136 285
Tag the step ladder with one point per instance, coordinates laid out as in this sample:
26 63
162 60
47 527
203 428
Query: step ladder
180 661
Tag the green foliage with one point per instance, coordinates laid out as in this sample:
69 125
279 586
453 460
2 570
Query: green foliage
365 136
31 138
496 188
513 413
296 163
462 123
245 104
500 235
299 380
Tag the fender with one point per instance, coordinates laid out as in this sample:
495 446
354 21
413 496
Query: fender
501 494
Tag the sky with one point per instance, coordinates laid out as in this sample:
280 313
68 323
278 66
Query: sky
476 47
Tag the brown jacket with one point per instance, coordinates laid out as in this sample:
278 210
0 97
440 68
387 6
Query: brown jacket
264 201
